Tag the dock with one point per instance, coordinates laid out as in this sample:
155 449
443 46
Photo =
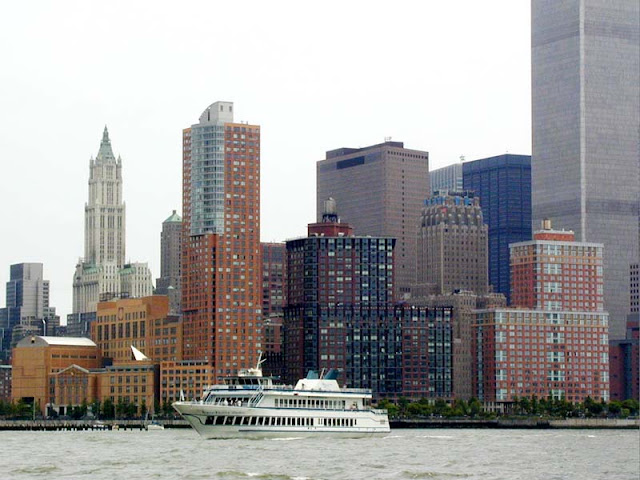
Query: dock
84 425
518 423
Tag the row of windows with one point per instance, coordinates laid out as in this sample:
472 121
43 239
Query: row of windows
281 421
55 355
304 403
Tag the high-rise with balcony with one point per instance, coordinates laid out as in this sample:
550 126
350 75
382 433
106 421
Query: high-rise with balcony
221 261
380 190
586 131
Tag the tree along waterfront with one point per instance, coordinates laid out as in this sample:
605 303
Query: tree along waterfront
402 408
521 407
106 410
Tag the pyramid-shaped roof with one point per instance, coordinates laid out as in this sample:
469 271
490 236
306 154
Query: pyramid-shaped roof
105 152
174 218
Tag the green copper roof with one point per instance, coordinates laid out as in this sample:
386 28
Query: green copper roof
174 218
105 152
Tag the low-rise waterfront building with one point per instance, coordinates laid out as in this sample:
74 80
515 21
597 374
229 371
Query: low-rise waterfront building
144 323
5 382
463 304
135 383
540 353
36 359
184 379
71 387
555 340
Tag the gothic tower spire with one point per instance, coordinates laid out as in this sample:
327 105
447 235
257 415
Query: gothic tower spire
105 152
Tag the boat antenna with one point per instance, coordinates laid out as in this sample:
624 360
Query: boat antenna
260 359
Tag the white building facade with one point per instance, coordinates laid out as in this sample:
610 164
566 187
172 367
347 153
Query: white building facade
103 274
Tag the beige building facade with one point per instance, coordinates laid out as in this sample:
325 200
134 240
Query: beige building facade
380 191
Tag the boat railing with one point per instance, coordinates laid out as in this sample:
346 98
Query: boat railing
378 411
286 388
289 388
255 399
228 403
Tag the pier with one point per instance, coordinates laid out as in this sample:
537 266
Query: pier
83 425
521 423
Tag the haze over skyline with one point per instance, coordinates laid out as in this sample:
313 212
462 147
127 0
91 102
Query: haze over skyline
450 78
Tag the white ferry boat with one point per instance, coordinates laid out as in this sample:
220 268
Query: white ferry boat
250 405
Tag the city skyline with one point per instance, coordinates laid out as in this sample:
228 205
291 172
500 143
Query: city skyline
441 82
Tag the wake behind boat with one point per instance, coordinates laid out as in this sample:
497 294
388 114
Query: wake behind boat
250 405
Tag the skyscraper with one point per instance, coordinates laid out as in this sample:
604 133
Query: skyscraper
380 190
586 127
102 273
221 261
274 278
274 284
452 245
503 184
447 179
27 310
169 282
340 314
104 213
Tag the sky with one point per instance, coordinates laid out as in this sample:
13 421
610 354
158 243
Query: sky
449 77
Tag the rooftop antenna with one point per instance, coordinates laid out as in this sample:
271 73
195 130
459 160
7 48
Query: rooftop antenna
461 158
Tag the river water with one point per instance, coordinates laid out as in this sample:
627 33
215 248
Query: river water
404 454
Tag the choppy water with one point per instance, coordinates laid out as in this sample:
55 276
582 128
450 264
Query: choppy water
404 454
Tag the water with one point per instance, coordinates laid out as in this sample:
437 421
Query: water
404 454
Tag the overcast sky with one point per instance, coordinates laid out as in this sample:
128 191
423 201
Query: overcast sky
449 77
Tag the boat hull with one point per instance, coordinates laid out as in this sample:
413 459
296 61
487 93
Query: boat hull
200 418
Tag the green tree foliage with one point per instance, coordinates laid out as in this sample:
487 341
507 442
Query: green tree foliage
525 406
22 410
108 409
475 407
632 405
440 407
391 408
167 410
95 408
